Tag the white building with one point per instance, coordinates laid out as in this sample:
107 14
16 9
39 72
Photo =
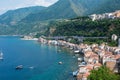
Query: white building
114 37
119 42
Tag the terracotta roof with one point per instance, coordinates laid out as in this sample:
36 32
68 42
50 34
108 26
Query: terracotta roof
117 56
85 75
89 67
110 53
97 64
88 53
79 76
96 49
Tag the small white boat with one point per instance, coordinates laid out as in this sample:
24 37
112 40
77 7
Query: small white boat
1 55
19 67
75 73
71 48
76 51
60 62
79 59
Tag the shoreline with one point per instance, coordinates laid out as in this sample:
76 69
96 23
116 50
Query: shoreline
34 39
29 38
94 57
11 35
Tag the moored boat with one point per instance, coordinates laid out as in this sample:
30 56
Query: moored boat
75 73
80 59
76 51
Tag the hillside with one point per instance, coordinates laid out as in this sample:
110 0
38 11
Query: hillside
61 9
23 20
108 6
84 26
13 16
73 8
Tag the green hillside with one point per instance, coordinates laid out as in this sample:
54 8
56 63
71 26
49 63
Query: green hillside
34 19
83 26
72 8
13 16
61 9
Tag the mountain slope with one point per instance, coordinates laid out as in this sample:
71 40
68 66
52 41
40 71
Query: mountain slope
31 20
13 16
108 6
72 8
61 9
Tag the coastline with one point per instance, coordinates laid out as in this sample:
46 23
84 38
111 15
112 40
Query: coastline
21 37
94 57
11 35
29 39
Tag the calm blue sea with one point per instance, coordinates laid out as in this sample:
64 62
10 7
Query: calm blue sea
43 58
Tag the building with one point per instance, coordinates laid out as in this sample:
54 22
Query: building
111 64
114 37
111 15
119 42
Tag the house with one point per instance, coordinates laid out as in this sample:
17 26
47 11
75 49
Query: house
93 58
117 14
114 37
107 57
111 64
84 72
87 54
97 65
117 51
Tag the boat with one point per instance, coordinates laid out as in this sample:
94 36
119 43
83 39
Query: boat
71 48
19 67
82 64
76 51
75 73
60 62
80 59
1 55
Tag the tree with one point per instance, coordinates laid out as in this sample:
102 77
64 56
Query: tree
103 73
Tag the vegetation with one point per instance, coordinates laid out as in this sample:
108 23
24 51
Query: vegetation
72 40
72 8
87 27
11 17
112 43
24 28
103 73
108 41
31 19
97 41
84 26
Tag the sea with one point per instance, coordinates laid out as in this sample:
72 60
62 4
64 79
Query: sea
40 61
